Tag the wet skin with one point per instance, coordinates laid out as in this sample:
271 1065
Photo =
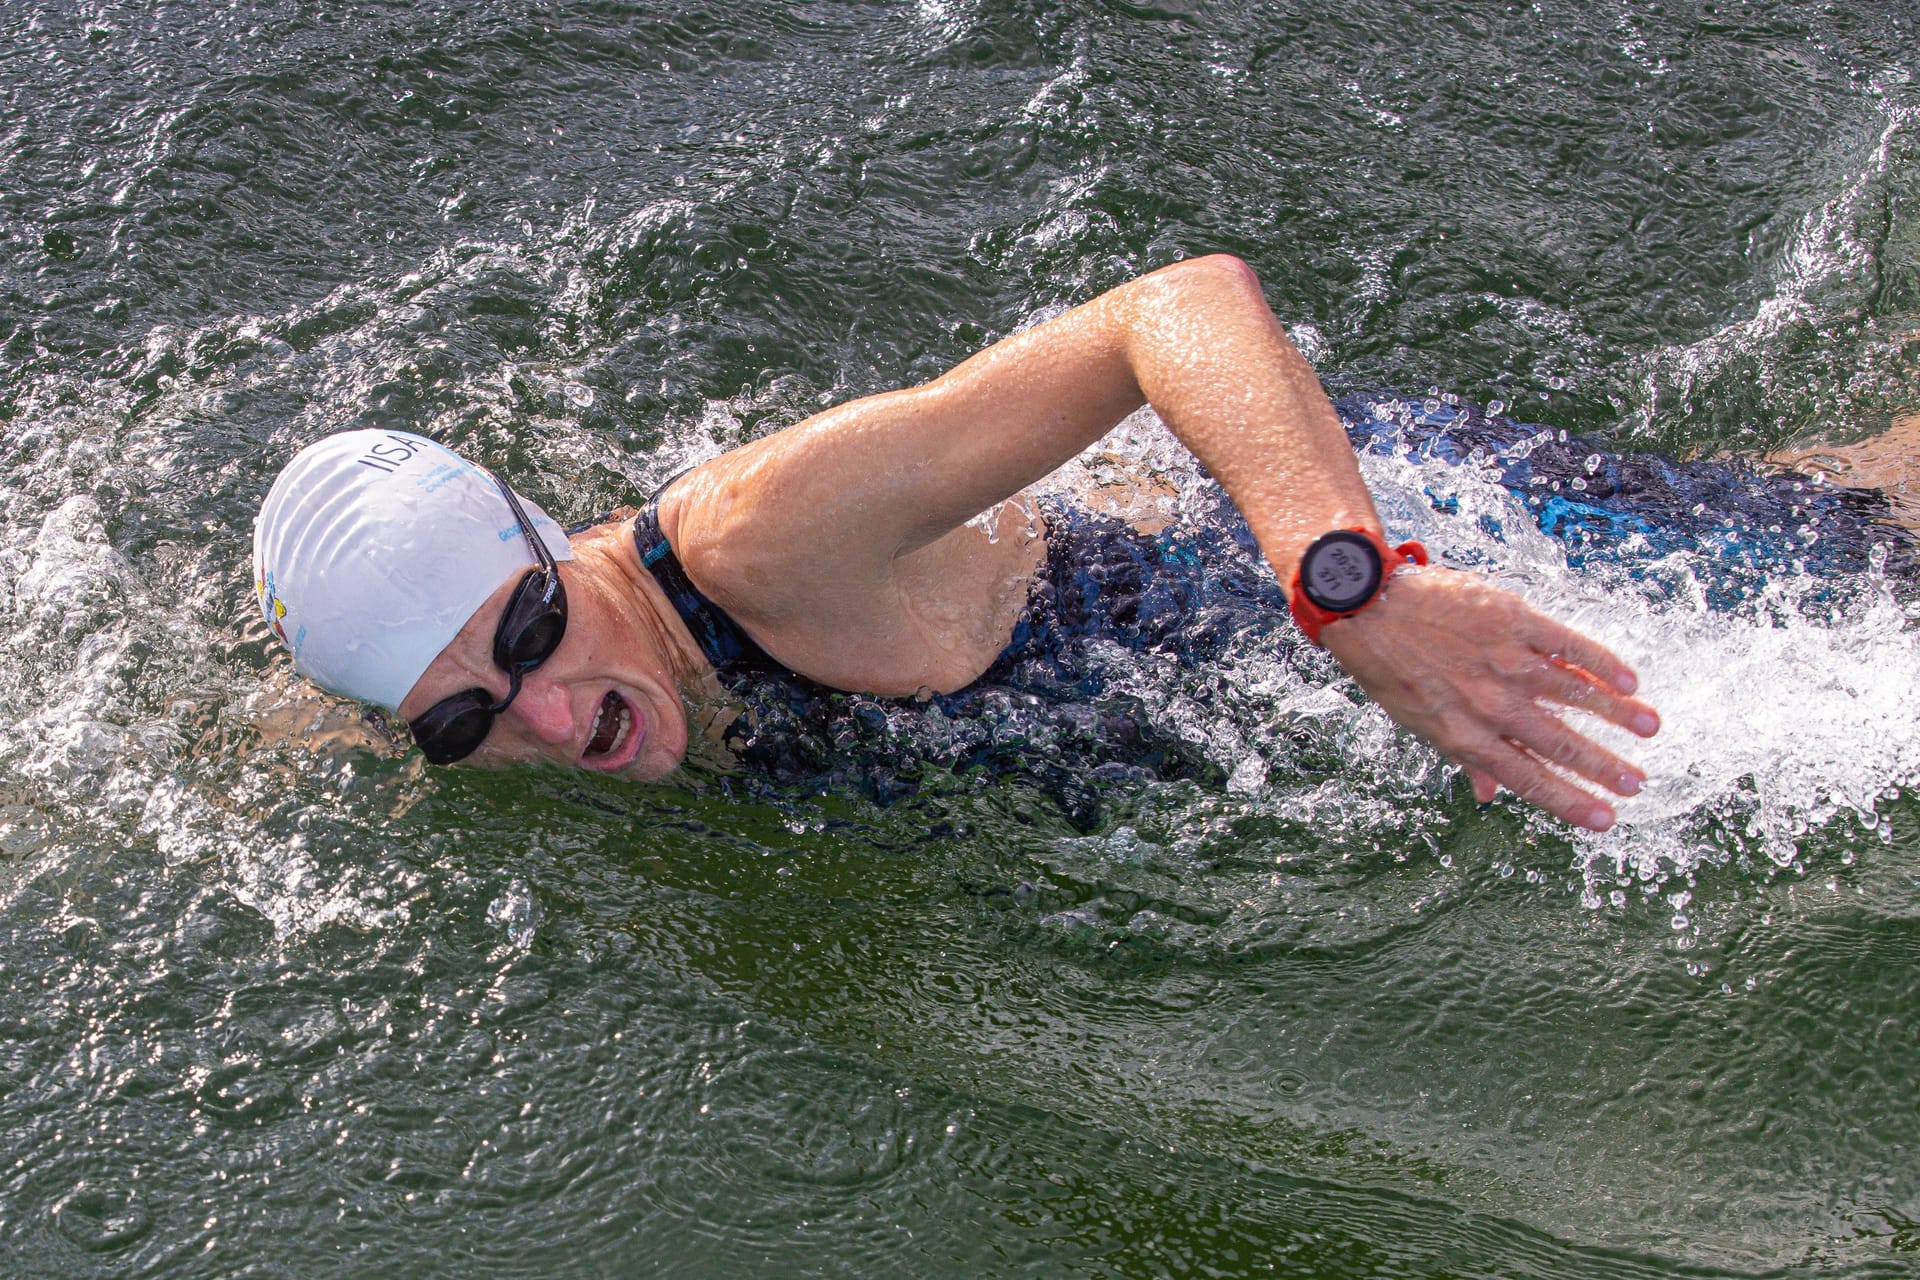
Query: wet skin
613 697
619 669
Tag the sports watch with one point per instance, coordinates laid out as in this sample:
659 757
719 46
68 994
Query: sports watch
1341 572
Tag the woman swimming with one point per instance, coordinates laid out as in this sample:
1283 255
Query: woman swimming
846 550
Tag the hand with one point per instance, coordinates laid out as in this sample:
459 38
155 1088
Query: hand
1477 672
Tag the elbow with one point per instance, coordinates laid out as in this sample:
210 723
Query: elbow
1217 280
1226 269
1219 271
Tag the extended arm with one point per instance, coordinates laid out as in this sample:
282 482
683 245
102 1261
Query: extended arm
807 533
882 476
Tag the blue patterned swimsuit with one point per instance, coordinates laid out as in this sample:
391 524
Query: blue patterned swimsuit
1042 711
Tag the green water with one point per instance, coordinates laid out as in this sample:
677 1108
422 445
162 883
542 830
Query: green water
275 1001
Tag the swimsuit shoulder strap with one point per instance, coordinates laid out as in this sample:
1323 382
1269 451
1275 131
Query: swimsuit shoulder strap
726 645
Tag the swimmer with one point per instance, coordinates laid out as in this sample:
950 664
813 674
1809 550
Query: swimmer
845 550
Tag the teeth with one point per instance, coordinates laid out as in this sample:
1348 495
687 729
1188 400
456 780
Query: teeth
623 725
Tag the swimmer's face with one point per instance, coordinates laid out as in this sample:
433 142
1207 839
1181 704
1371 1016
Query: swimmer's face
604 700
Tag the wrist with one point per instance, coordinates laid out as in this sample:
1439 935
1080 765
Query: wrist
1342 572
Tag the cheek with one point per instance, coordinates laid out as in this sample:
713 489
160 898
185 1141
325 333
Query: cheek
591 637
602 646
659 763
666 744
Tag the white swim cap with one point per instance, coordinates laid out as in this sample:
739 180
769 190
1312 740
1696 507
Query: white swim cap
374 548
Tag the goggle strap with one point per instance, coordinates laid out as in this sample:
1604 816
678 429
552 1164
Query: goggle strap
535 543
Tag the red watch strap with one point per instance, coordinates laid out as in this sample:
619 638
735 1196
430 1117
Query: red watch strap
1311 617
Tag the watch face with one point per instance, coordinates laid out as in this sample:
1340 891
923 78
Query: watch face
1340 571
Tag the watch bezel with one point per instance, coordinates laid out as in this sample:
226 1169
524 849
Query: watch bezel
1327 542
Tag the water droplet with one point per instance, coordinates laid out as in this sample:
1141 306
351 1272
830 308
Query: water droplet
1249 776
518 910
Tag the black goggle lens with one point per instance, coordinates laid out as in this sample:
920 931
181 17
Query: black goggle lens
534 623
454 727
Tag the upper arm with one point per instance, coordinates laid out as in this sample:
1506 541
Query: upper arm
873 479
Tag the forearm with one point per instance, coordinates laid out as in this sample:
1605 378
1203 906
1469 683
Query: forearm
1220 371
1198 343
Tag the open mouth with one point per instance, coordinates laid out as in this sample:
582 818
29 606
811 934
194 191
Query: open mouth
612 726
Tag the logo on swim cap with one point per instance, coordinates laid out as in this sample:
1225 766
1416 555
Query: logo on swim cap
273 607
372 550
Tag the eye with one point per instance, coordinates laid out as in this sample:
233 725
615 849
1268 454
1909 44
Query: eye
537 642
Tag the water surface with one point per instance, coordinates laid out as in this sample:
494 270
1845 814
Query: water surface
280 1002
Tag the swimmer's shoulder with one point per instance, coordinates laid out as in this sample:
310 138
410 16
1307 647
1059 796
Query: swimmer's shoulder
932 618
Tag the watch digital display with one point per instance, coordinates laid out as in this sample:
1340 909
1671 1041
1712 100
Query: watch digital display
1340 571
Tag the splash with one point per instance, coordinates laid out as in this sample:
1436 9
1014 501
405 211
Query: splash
1830 346
1795 706
1784 713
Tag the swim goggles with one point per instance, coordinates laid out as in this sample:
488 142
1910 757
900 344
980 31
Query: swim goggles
530 630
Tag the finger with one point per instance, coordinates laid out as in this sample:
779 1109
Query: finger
1540 786
1548 738
1485 786
1565 645
1553 679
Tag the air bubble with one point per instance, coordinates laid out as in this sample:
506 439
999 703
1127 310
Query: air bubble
518 911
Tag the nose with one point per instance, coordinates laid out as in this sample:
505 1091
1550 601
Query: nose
543 709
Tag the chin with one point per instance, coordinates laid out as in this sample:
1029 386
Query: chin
650 770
